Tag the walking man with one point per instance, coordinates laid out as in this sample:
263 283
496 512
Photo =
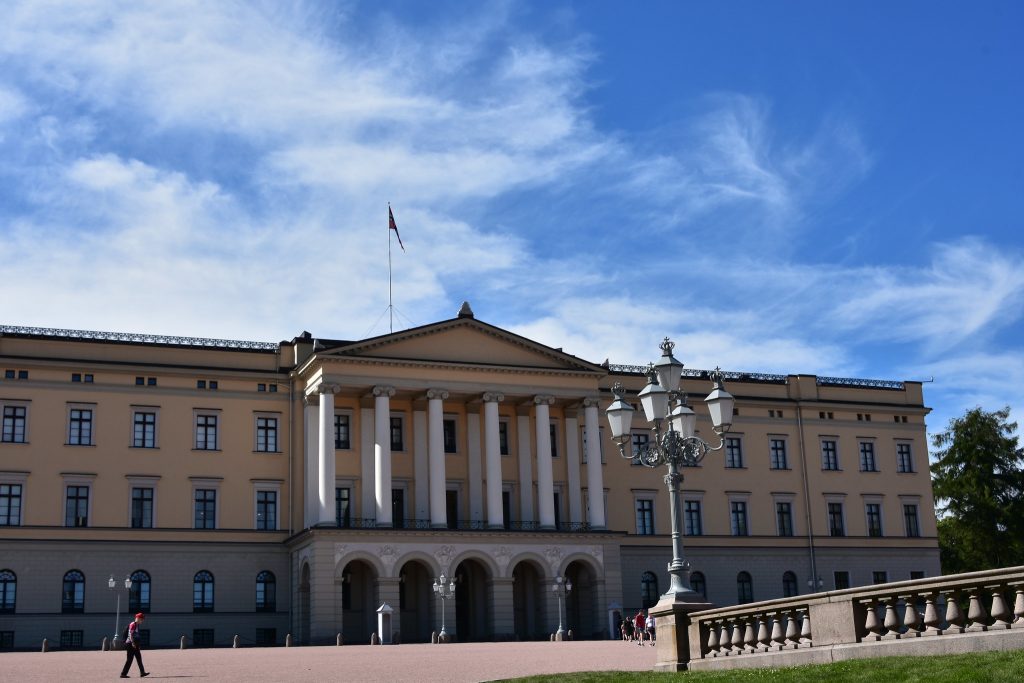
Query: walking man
132 647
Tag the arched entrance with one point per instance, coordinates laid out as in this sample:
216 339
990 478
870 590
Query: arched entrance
472 602
528 601
304 604
415 602
581 604
358 601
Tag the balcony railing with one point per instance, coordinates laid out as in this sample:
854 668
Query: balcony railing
462 525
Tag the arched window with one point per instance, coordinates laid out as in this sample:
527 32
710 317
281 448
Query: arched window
266 592
648 589
138 594
202 592
8 590
789 586
744 588
698 584
73 596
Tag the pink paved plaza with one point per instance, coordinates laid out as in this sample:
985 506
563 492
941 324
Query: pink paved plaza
456 662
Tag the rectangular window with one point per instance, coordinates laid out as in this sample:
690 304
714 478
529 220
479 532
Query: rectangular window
14 424
829 455
692 518
644 517
904 463
915 575
398 508
910 521
554 440
266 637
343 507
733 452
71 640
342 432
76 508
202 637
10 504
6 640
448 428
266 510
777 448
503 437
144 430
640 441
738 514
874 516
879 577
836 527
784 518
80 427
266 434
142 508
841 580
867 457
206 432
206 509
397 434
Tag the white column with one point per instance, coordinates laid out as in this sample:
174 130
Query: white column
327 392
525 468
382 453
435 448
475 468
572 461
312 457
421 468
545 479
595 476
368 495
492 453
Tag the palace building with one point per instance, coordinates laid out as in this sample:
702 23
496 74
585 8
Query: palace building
265 489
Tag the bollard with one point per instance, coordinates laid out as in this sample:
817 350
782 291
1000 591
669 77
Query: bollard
341 641
569 634
104 646
552 637
235 641
181 645
46 645
374 639
288 640
433 637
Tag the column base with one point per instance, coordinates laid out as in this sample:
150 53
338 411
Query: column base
671 624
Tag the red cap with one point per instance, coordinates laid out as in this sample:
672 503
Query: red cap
140 615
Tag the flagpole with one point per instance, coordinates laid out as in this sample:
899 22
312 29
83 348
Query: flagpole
391 310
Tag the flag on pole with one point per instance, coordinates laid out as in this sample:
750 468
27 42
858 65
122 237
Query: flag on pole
394 226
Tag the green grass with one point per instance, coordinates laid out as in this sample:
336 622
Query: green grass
983 667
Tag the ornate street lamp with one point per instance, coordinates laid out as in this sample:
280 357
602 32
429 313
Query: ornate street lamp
444 590
674 444
561 588
112 585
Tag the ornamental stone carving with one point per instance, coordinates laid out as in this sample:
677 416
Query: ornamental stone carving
591 403
328 388
384 390
437 393
543 399
444 555
598 553
493 396
554 555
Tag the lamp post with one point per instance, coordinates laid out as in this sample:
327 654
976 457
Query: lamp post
561 588
674 444
444 590
112 585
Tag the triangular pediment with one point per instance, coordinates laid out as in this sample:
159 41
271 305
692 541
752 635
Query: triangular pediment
463 341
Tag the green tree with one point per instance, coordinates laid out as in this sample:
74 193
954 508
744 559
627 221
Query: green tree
978 481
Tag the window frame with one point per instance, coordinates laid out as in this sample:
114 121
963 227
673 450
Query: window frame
643 508
830 461
271 604
202 605
868 456
8 591
838 514
73 436
263 433
79 481
266 487
778 452
206 414
739 526
744 579
905 460
133 437
11 431
873 514
396 421
12 479
450 434
141 602
206 484
76 603
342 422
688 529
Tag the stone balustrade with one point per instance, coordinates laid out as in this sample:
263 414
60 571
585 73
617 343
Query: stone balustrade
958 613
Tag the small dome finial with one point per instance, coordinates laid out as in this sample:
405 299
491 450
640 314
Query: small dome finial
465 311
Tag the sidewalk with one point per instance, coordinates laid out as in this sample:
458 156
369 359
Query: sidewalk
467 662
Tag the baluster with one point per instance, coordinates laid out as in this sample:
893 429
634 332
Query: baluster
778 635
724 639
976 612
892 619
871 624
764 639
749 641
1000 612
712 642
1018 606
911 619
737 637
931 617
805 628
792 634
954 616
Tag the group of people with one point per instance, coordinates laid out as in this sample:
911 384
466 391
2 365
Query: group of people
638 629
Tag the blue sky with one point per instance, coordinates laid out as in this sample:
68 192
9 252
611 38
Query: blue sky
795 187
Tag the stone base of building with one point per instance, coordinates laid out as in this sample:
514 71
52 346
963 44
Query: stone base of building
671 617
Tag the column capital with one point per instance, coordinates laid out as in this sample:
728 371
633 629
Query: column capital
437 394
326 388
591 403
493 397
384 390
543 399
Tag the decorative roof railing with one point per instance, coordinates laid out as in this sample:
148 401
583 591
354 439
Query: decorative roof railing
769 378
865 383
138 338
